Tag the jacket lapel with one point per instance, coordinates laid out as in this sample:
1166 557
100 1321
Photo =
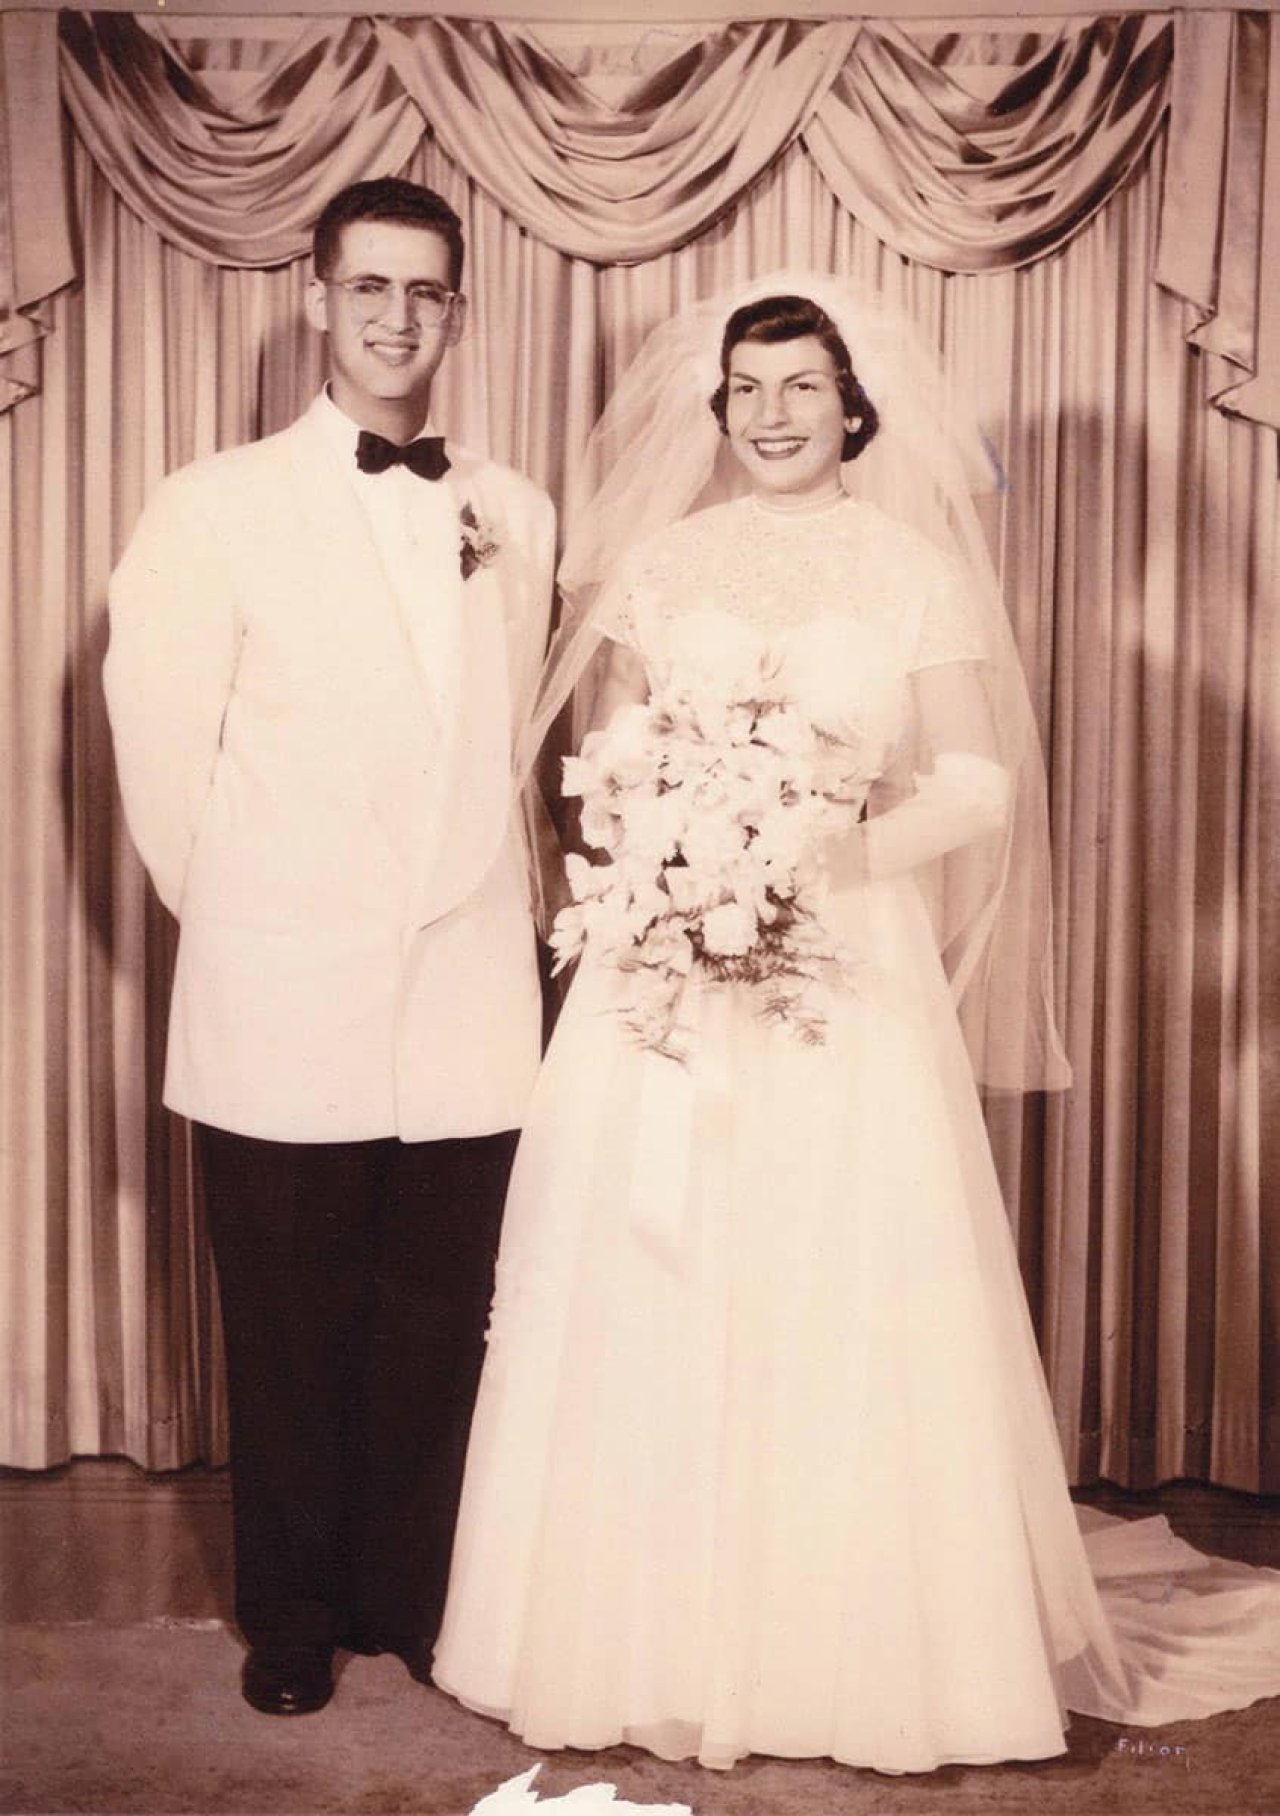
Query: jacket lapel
477 742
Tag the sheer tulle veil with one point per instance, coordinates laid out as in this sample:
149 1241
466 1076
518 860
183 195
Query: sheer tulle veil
657 453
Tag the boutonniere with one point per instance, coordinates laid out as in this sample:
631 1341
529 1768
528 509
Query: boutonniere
479 547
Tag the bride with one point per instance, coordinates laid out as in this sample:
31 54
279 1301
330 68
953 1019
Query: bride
763 1459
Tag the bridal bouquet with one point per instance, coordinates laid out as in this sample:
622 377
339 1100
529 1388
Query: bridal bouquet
711 810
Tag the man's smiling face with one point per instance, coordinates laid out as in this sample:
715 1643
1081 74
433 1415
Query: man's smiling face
381 368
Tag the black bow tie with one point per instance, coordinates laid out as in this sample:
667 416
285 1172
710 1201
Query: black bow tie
425 457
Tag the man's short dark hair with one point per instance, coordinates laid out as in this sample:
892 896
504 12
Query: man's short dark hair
783 318
387 199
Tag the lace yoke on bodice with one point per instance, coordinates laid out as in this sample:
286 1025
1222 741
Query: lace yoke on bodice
843 601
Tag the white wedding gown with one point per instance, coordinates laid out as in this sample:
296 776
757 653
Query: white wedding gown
763 1459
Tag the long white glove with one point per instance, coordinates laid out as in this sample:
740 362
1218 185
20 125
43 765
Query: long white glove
963 797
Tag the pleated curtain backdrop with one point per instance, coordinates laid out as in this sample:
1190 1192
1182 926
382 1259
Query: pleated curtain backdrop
1138 544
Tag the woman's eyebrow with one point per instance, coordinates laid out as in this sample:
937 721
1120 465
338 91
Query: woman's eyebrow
749 378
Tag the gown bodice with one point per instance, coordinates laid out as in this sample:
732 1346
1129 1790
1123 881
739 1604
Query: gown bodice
836 608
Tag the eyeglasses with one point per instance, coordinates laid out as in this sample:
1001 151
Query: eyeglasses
371 297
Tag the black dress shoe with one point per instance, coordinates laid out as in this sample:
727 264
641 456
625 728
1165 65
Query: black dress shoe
414 1653
416 1657
288 1680
365 1644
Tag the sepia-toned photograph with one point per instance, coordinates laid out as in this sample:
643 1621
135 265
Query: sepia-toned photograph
640 909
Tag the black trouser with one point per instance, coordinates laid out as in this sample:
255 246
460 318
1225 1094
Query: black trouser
355 1280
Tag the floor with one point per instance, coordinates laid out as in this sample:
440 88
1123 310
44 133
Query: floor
120 1695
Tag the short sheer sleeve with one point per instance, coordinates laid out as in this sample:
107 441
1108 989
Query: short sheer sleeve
615 613
950 628
631 596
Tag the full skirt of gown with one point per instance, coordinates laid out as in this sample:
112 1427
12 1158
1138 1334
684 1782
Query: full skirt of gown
763 1459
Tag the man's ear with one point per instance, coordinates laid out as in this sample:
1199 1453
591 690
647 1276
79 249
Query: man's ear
315 304
457 321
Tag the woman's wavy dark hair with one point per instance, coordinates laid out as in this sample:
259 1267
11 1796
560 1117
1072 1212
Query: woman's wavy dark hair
784 318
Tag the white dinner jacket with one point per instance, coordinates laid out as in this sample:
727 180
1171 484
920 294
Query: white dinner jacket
356 957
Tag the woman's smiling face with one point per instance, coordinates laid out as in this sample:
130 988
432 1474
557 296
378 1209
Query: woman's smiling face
785 417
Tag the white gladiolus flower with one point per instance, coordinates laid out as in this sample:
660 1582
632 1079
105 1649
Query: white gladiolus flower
729 931
692 891
712 846
666 944
784 839
579 775
613 922
653 825
622 752
568 935
587 880
649 903
517 1797
601 826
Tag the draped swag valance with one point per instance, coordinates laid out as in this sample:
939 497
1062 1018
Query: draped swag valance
965 151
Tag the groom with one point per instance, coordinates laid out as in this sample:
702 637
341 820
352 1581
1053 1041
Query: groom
321 647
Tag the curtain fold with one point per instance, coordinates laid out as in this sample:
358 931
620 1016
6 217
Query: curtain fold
967 183
35 239
946 176
236 182
615 184
1220 237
